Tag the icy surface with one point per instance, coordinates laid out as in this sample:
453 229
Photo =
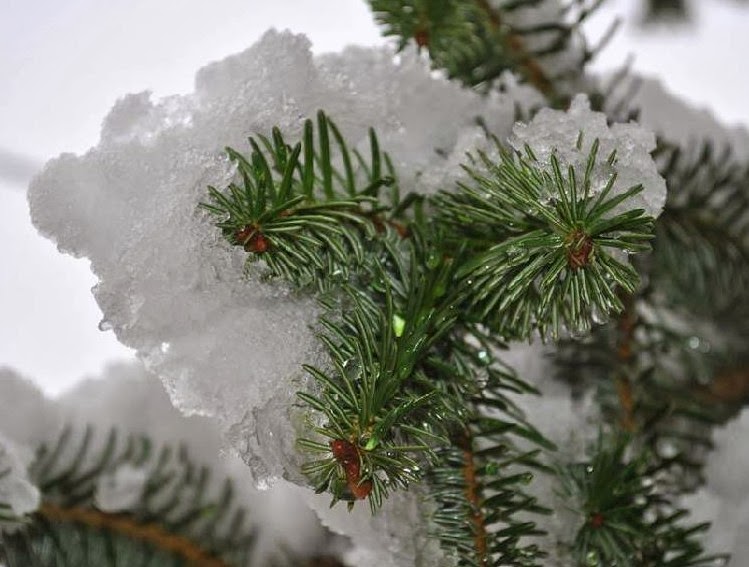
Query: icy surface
395 537
556 132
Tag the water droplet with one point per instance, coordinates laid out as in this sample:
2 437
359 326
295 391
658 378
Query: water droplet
592 558
694 343
598 317
484 357
667 449
164 347
399 324
589 469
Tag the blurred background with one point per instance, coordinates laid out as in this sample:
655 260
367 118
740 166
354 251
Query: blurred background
63 64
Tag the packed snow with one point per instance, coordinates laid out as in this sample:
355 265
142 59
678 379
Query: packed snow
552 132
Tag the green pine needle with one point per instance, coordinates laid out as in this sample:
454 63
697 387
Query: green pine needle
548 250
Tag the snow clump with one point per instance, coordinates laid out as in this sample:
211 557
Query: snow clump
570 136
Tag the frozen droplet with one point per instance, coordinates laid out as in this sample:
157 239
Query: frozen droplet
592 558
598 317
484 357
105 325
666 449
399 325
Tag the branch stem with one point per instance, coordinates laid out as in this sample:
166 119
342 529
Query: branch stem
624 353
529 66
473 496
125 525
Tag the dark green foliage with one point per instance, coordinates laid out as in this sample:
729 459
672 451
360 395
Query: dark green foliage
178 502
306 218
543 245
413 390
372 395
669 375
624 519
475 41
700 259
480 481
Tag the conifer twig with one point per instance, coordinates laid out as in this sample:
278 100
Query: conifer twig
472 495
127 526
530 67
624 353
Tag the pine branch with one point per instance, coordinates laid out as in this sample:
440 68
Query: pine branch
700 257
371 397
543 244
475 41
624 519
152 535
305 218
483 514
171 520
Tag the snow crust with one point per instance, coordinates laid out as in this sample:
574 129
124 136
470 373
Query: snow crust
553 132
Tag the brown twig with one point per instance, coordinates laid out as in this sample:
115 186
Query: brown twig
473 497
624 354
152 534
529 66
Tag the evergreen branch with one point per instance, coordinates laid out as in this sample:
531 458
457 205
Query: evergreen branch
151 534
624 351
306 218
624 519
478 481
475 41
370 400
169 520
546 247
700 257
653 380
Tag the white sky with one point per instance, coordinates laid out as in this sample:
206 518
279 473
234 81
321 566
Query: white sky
64 62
